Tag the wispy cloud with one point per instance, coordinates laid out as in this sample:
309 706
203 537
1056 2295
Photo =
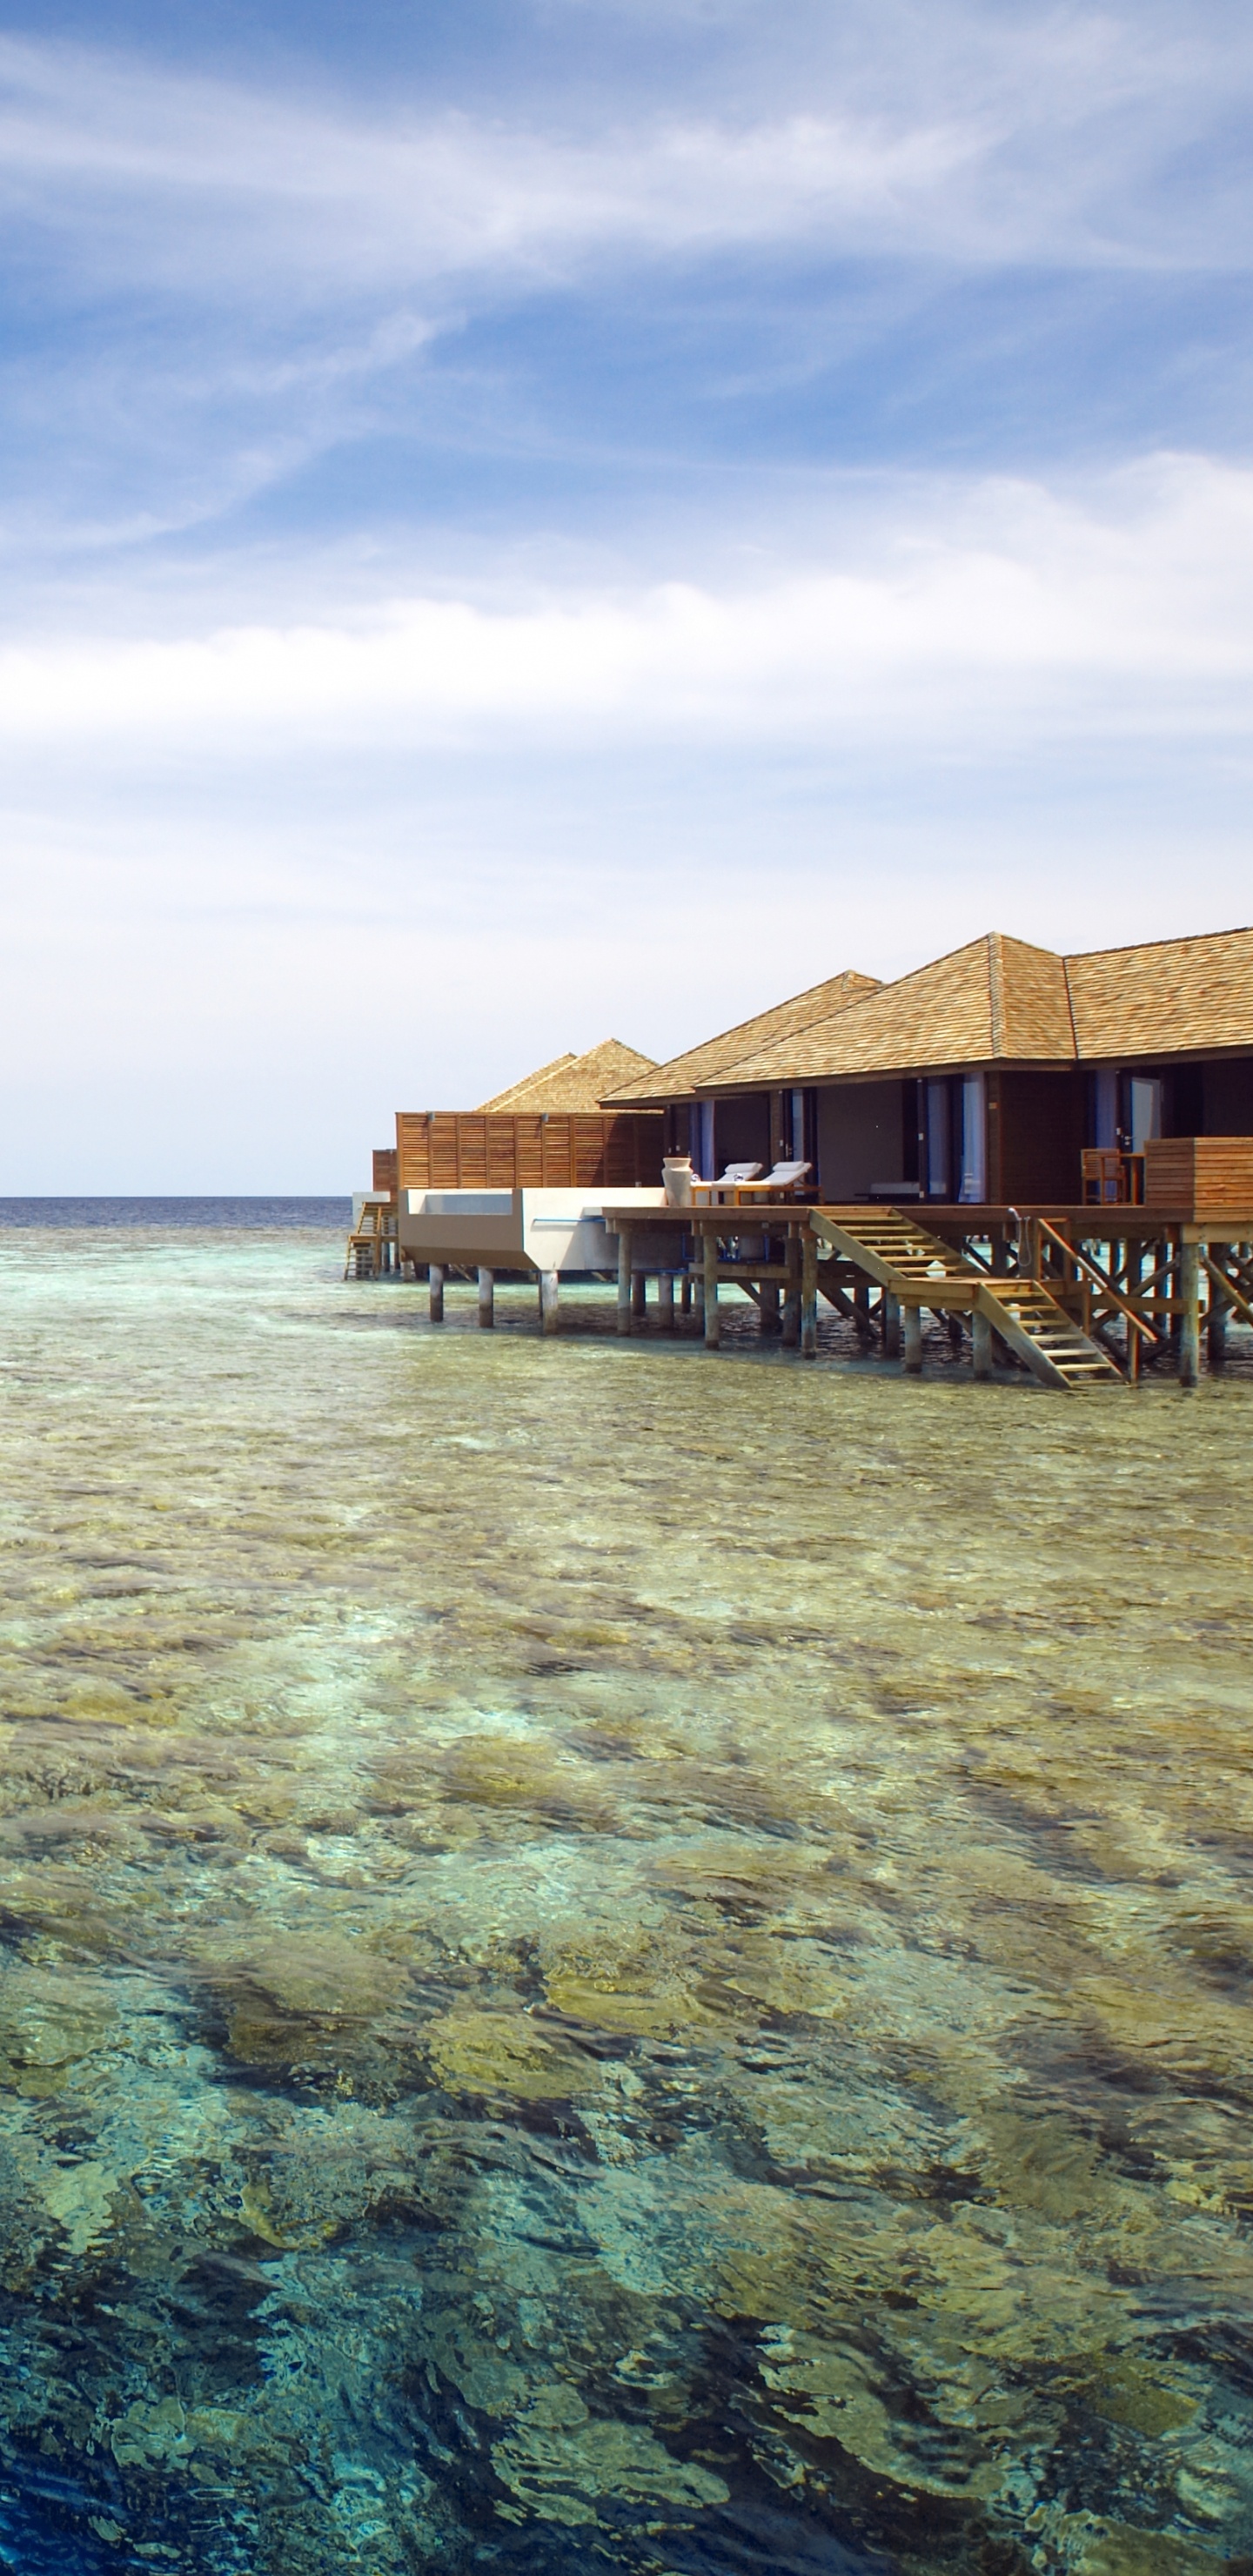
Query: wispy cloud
1073 137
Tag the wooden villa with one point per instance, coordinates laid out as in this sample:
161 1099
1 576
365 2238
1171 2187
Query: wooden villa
1053 1152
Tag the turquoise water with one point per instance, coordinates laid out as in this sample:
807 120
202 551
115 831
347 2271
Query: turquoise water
611 1958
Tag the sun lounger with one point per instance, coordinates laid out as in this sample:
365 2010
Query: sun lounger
735 1177
782 1183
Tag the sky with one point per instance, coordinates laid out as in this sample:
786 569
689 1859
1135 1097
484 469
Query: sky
525 523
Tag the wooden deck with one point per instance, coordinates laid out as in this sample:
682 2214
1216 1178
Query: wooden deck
1078 1294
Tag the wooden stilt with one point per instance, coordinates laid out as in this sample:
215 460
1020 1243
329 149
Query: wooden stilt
639 1295
861 1309
913 1341
711 1290
665 1301
891 1315
436 1292
487 1297
769 1310
809 1296
549 1299
1132 1282
792 1294
685 1294
1216 1318
981 1344
624 1280
1190 1320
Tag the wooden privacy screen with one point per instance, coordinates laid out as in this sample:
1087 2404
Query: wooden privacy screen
451 1149
1199 1175
384 1175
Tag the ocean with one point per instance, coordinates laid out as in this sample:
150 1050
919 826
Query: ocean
612 1958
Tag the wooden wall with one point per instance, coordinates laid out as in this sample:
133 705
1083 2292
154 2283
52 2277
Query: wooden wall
452 1149
384 1175
1035 1138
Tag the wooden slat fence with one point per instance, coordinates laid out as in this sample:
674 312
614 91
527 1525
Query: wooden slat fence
449 1149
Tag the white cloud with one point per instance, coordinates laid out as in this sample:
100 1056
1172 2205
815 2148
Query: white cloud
996 613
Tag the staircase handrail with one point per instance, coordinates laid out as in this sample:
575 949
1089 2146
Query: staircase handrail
1094 1271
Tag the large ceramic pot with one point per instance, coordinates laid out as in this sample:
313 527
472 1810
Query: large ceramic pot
676 1177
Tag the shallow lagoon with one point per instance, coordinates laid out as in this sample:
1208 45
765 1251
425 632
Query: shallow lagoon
612 1959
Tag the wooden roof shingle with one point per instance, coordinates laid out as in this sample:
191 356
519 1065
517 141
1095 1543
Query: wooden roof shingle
996 999
684 1075
1169 997
573 1083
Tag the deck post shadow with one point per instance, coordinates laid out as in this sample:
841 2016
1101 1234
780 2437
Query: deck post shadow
711 1289
809 1296
624 1278
981 1345
1190 1317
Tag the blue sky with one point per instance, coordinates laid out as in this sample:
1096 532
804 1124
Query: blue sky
521 523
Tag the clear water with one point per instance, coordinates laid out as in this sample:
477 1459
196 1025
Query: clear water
611 1958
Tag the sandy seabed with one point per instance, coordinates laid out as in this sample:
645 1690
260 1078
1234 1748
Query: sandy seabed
611 1959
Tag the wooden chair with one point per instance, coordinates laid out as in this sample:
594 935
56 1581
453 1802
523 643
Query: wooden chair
1103 1176
1112 1176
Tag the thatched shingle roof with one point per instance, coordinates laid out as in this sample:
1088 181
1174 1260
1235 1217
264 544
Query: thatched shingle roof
993 1000
702 1066
574 1083
996 1001
1171 997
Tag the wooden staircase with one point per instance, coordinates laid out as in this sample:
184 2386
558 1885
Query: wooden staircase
919 1269
373 1246
1031 1322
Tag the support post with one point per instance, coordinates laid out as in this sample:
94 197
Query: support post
809 1295
711 1289
639 1295
792 1294
436 1291
768 1311
891 1326
861 1310
1216 1322
981 1345
665 1300
1190 1320
624 1280
487 1297
685 1294
549 1299
913 1341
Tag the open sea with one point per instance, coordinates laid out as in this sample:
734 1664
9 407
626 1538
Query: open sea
610 1959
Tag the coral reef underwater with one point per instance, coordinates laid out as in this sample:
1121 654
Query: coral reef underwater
611 1960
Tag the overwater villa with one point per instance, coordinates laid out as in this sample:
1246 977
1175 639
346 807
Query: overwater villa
1054 1153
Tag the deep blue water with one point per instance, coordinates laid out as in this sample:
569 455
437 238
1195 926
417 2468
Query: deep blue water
263 1213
